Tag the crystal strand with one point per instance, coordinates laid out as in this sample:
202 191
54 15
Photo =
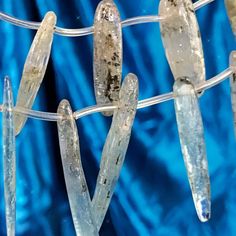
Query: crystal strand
107 66
182 39
231 10
77 190
35 67
233 86
191 134
9 158
115 148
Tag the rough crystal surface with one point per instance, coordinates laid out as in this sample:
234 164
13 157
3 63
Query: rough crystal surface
182 40
191 135
115 148
233 86
35 67
231 10
77 190
9 158
107 65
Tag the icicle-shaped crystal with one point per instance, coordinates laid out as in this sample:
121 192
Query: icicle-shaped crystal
233 86
107 65
77 190
191 134
182 40
35 67
115 148
9 158
231 10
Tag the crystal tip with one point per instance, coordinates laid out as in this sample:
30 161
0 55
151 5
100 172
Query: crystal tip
51 18
204 210
7 82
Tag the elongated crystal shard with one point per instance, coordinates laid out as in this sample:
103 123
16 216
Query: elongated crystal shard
77 190
191 134
231 10
115 148
9 158
35 67
233 86
107 64
182 40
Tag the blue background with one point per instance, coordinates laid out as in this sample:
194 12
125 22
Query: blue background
153 195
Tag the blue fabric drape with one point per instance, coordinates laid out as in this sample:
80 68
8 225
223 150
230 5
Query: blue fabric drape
153 195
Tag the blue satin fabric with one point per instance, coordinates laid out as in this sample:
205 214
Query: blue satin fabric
153 195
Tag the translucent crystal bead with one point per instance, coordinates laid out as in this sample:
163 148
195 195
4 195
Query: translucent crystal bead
115 148
191 134
9 158
107 65
77 190
182 39
231 10
35 67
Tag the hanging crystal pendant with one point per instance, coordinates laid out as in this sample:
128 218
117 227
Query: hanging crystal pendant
9 158
231 10
115 148
77 190
35 67
191 134
107 65
233 86
182 39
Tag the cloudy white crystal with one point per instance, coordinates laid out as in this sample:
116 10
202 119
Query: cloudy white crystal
182 39
35 67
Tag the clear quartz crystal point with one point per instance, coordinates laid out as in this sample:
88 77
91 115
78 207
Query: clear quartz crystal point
233 86
115 148
182 40
107 64
231 10
35 67
77 190
9 158
191 134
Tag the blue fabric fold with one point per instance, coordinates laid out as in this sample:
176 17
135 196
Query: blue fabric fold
153 195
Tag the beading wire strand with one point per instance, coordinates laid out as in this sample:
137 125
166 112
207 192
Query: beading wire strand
48 116
89 30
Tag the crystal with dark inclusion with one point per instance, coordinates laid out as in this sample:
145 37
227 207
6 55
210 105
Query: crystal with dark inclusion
9 158
182 40
77 190
231 10
115 148
233 85
191 134
107 64
35 67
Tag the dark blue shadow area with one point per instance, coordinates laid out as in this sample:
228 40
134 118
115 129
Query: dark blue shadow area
153 195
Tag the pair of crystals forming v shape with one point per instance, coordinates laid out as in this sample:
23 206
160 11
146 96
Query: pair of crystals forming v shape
183 46
87 215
